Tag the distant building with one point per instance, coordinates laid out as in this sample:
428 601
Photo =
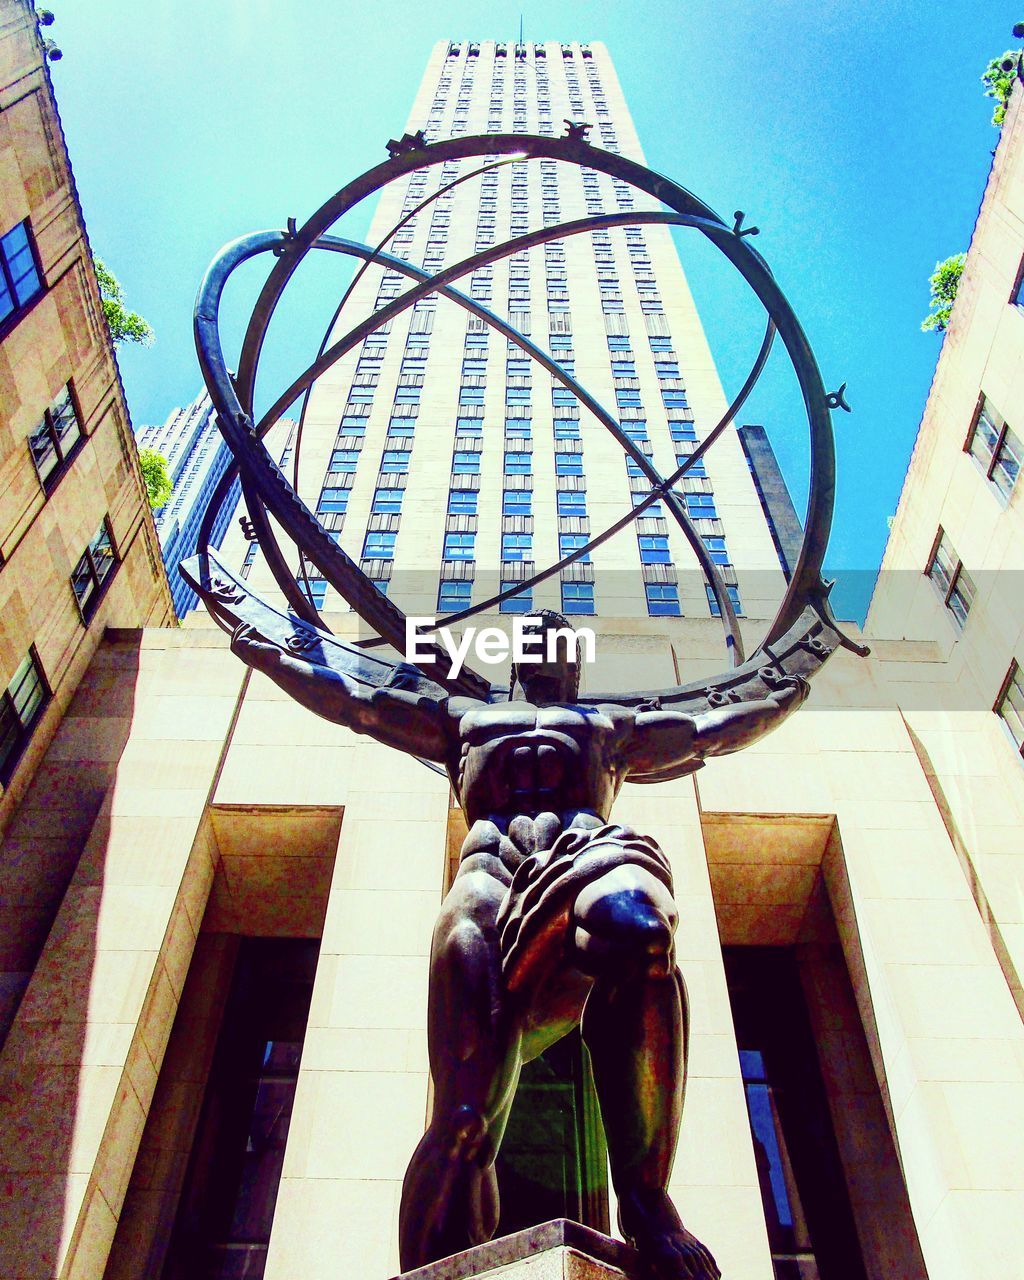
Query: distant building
197 457
238 551
783 521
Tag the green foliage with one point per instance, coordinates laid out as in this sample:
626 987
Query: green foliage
998 82
156 476
944 282
124 325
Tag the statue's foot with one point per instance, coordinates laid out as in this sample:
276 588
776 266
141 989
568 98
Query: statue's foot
650 1222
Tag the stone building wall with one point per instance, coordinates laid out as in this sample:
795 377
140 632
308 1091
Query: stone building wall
58 340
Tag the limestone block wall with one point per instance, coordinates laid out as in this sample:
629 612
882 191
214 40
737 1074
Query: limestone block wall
945 1034
80 1063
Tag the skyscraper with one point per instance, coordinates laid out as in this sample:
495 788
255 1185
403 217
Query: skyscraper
196 457
452 465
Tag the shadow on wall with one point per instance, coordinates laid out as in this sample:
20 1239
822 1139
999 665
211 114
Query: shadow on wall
66 1024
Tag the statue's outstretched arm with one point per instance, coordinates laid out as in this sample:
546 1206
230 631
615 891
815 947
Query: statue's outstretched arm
664 739
408 721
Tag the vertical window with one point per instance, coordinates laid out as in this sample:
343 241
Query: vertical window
379 545
93 570
734 596
952 581
568 464
570 542
517 502
250 558
55 441
811 1229
578 597
227 1206
465 463
662 599
701 506
653 511
387 502
717 549
454 596
394 460
654 549
516 546
21 705
695 470
20 277
995 448
572 502
522 603
462 502
332 500
316 591
345 460
458 546
1009 707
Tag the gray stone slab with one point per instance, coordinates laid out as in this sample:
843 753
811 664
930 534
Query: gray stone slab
550 1251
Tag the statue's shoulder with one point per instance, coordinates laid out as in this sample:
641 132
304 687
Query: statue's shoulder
472 713
603 718
615 713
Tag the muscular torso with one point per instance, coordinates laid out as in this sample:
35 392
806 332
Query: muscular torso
516 759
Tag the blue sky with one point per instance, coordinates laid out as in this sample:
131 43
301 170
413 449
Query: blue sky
855 135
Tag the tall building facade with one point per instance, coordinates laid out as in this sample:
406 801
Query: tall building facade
448 462
78 551
219 1064
954 566
196 457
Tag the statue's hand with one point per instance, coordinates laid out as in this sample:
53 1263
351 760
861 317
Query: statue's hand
254 652
789 693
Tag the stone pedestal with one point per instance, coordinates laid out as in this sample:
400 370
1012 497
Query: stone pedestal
558 1250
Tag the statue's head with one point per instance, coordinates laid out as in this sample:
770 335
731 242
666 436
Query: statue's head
555 674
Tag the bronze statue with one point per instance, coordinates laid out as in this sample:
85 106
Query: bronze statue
557 918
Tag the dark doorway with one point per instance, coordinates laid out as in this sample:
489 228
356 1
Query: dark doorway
227 1206
553 1161
811 1227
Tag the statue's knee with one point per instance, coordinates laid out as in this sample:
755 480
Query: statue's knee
643 946
627 919
466 1133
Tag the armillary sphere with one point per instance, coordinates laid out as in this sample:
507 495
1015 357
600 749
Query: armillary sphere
804 631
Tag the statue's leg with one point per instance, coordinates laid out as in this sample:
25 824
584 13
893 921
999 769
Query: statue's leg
450 1197
635 1027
